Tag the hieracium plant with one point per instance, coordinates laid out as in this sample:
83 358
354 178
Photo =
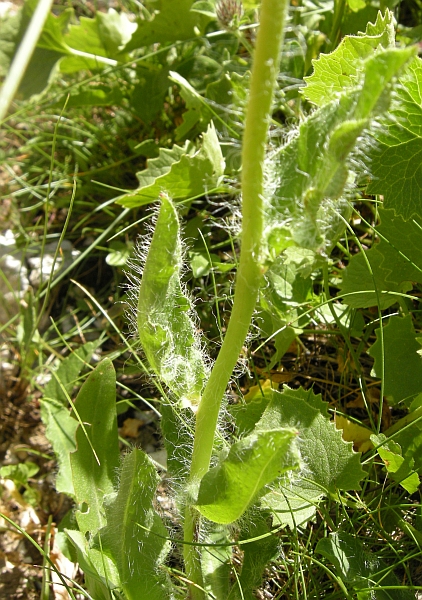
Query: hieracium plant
283 454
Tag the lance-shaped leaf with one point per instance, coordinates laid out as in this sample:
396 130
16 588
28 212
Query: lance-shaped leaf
166 330
216 561
135 536
60 426
312 170
227 490
329 463
182 172
173 21
95 462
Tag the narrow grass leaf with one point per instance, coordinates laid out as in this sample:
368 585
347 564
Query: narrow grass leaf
361 569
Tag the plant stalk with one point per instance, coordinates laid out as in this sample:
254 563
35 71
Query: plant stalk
250 271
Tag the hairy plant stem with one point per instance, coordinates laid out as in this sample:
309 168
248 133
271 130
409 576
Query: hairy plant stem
249 275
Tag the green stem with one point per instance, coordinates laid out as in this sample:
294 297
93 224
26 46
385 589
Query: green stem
258 115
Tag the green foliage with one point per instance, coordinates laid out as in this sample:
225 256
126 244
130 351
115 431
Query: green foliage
255 461
135 536
360 568
183 172
397 360
165 328
253 468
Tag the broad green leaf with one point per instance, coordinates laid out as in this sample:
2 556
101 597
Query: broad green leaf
228 489
165 327
398 468
396 155
216 561
95 461
172 22
329 463
306 204
60 432
179 172
257 554
94 96
402 363
396 262
335 72
100 573
248 413
65 377
135 536
361 568
93 39
60 425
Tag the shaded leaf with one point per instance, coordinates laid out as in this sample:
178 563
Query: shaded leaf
171 22
257 554
402 363
361 568
396 156
396 262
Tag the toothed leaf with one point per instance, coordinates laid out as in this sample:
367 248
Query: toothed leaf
179 172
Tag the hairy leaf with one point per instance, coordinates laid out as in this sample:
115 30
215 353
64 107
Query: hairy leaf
166 330
216 561
227 490
402 363
100 572
258 552
135 536
306 204
95 461
179 172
